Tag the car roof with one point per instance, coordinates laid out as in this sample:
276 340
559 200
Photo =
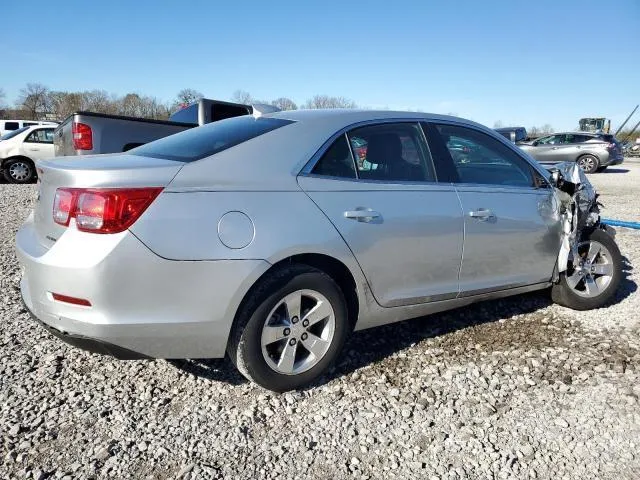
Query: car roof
343 117
272 161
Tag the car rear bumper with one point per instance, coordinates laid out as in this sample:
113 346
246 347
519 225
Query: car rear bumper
141 305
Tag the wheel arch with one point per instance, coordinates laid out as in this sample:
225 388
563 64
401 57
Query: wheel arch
17 157
335 268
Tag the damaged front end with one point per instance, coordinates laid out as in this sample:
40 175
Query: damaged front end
579 209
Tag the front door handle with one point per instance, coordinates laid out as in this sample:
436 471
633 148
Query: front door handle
482 214
362 214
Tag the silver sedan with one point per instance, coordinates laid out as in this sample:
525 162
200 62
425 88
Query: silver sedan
267 239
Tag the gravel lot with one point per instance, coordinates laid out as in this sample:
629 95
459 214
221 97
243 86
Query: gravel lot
517 388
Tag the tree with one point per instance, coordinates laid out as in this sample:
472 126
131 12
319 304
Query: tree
284 103
34 99
187 96
2 97
547 129
241 96
325 101
498 124
63 104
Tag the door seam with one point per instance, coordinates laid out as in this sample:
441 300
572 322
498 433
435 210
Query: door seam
464 237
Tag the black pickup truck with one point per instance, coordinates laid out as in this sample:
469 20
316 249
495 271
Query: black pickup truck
88 133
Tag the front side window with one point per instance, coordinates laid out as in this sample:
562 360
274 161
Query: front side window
42 135
394 152
336 161
550 140
11 125
209 139
481 159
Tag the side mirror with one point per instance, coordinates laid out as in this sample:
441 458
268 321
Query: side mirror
556 177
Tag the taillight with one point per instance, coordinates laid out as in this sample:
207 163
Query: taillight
62 204
109 210
82 136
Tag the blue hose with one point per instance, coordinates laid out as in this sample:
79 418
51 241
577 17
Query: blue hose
620 223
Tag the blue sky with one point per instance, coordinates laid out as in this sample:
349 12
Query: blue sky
524 63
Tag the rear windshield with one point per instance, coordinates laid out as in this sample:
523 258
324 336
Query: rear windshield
209 139
14 133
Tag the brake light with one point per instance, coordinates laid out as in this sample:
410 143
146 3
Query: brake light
82 136
109 210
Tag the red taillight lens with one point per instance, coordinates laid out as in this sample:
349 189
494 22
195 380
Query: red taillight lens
82 136
110 210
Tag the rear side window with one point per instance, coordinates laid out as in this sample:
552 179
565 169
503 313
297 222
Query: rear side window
41 135
200 142
392 152
11 125
337 161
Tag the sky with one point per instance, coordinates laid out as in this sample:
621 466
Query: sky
516 62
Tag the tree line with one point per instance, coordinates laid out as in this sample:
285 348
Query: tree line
37 102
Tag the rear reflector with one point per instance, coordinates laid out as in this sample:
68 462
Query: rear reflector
109 210
73 300
82 136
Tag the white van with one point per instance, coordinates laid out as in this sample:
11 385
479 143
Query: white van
7 126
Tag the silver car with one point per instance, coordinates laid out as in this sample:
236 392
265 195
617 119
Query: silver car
263 238
593 152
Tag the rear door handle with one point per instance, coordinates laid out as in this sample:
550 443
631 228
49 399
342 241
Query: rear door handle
362 214
482 214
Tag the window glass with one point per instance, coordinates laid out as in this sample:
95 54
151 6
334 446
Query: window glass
209 139
393 152
482 159
550 140
42 135
220 111
11 125
337 161
29 124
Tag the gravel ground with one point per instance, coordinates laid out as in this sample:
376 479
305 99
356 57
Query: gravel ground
517 388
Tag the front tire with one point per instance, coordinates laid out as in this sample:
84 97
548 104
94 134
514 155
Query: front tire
591 281
290 329
589 163
19 170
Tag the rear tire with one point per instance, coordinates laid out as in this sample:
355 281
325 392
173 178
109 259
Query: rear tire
19 170
582 288
589 163
269 340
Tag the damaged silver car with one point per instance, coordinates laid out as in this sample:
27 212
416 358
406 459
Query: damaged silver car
271 238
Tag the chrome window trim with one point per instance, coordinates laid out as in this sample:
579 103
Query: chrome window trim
311 163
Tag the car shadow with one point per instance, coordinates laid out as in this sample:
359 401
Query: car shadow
370 346
215 369
614 170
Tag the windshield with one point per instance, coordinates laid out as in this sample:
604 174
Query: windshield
14 133
200 142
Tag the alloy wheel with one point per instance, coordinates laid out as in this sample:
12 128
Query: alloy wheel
587 163
298 332
19 171
591 274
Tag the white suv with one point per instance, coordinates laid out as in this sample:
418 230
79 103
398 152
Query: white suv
21 148
7 126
